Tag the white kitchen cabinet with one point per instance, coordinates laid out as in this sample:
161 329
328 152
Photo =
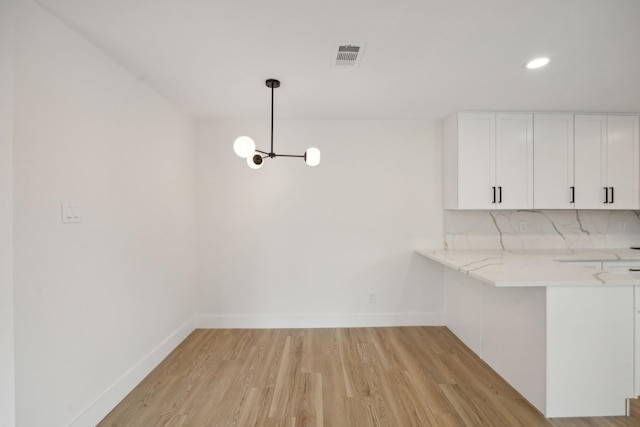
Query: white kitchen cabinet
541 161
593 265
469 159
631 268
514 161
636 382
567 349
488 161
607 153
553 183
589 347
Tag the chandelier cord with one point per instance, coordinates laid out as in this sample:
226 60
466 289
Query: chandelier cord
272 154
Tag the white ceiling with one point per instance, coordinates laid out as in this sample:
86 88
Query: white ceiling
424 58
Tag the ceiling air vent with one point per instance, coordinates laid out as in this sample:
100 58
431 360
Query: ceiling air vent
348 54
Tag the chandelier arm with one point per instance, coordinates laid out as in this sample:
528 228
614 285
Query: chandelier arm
289 155
262 152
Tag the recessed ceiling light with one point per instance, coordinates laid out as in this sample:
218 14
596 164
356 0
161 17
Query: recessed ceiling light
537 63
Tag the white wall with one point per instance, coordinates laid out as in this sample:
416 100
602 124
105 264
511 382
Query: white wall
7 378
293 246
99 303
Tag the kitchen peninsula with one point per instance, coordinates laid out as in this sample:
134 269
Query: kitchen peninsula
558 325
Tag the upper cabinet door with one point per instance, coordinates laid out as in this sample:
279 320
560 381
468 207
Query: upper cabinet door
607 154
590 161
488 161
553 161
469 161
514 161
476 160
622 162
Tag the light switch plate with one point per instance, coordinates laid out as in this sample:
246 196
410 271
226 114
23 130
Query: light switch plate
71 212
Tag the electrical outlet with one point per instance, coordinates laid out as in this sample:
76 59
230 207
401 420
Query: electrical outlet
622 226
523 226
372 297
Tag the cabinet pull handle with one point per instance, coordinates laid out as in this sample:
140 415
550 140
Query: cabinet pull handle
494 195
500 194
634 269
573 195
611 194
606 194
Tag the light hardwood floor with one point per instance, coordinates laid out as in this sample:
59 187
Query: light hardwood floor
409 376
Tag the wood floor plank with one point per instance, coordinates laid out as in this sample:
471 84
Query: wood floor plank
303 400
283 381
484 397
274 342
464 408
359 377
345 363
334 389
379 401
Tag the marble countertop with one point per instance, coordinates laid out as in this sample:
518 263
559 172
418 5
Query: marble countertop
536 267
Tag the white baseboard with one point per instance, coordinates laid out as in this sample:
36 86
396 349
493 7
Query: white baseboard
328 320
121 387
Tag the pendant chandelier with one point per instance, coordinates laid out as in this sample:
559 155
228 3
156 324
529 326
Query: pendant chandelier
246 148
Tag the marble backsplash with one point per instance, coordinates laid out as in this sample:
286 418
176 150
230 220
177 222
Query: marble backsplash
543 229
